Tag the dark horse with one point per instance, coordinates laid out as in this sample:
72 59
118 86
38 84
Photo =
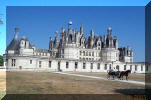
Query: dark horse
124 73
113 74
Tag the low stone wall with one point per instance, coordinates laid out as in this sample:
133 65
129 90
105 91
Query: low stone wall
2 68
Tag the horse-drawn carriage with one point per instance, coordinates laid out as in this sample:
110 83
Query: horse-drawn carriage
118 74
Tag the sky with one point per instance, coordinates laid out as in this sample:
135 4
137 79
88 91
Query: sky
38 23
105 18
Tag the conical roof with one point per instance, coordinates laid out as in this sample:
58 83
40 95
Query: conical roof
14 45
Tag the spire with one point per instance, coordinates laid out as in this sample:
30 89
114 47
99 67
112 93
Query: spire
16 34
57 38
81 29
92 33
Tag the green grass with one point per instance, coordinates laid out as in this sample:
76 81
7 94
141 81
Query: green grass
2 94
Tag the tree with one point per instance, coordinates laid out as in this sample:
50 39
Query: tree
1 60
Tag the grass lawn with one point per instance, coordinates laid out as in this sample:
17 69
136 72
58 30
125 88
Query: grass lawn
52 83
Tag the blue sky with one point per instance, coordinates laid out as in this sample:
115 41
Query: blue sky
38 23
124 22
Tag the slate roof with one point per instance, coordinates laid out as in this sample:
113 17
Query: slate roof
14 45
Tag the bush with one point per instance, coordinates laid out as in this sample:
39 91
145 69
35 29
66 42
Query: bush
1 60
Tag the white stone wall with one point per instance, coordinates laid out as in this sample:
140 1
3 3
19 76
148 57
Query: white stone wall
71 53
128 59
90 54
25 63
10 51
110 54
26 51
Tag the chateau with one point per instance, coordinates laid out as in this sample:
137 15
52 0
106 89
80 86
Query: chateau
72 52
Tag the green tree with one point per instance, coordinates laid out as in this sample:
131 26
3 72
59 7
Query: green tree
1 60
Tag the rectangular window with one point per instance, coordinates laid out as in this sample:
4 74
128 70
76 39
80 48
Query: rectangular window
30 61
91 65
89 53
130 67
105 67
110 66
124 67
49 64
39 64
76 65
83 53
80 53
84 66
13 62
141 67
135 67
63 51
92 53
98 67
67 64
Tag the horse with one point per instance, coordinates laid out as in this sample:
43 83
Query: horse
124 73
113 74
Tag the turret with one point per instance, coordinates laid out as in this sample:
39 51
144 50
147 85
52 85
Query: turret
63 34
110 40
50 43
99 43
92 34
104 41
73 36
91 39
70 27
56 42
109 30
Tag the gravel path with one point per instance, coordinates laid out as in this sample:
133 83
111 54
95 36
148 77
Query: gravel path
94 77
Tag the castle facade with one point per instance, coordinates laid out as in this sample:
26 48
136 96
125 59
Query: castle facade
73 51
